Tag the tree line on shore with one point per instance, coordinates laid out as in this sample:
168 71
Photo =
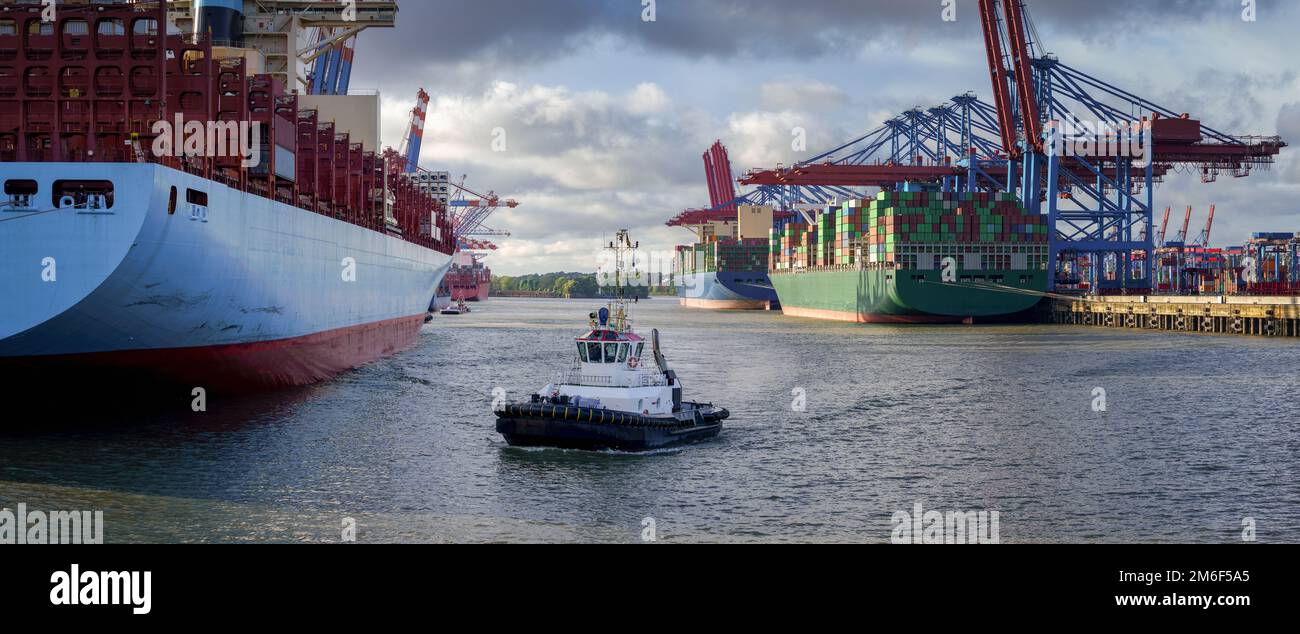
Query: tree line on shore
561 284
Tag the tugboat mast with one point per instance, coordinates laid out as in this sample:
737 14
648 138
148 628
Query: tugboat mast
621 246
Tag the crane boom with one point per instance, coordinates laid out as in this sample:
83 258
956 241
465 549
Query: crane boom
998 72
1164 226
414 138
1187 223
717 172
1204 239
1024 74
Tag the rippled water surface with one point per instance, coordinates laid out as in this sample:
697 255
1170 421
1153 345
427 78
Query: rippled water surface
1199 433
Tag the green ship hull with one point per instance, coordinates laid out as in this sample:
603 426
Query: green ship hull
882 295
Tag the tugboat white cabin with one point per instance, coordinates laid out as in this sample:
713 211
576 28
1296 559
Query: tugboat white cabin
616 370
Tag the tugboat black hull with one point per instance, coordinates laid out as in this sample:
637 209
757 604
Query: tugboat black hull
539 425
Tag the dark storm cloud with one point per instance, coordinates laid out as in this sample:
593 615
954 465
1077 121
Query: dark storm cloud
526 31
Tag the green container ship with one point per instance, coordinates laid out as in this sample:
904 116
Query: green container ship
913 257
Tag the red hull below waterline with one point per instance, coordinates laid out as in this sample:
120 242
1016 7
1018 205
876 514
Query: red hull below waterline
250 367
726 304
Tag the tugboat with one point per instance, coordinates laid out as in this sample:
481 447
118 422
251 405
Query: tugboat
612 397
457 309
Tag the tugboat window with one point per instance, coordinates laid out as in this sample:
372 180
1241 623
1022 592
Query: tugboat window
593 352
582 351
611 352
622 353
639 346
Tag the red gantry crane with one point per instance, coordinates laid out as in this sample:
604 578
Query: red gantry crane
1204 239
1187 224
1164 226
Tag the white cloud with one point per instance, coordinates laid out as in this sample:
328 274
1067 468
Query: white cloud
647 99
582 164
763 138
794 94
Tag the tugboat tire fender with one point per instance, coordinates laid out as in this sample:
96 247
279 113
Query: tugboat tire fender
701 418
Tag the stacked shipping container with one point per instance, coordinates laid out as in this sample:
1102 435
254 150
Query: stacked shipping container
900 228
723 254
792 246
91 85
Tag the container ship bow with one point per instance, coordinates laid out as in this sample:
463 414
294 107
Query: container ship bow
310 255
726 268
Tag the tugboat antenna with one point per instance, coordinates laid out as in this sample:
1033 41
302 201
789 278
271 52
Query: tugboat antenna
621 244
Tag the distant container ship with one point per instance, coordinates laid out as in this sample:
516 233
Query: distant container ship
913 257
209 269
727 268
725 274
467 280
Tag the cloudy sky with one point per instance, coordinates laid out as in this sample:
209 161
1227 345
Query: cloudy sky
606 115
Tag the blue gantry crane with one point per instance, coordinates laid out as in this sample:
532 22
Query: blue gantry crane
1055 136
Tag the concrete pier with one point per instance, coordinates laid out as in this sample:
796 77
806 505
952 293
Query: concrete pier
1219 315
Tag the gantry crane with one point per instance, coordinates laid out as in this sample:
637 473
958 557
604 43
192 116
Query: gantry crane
1099 207
724 202
1187 224
1204 239
414 139
1164 226
468 216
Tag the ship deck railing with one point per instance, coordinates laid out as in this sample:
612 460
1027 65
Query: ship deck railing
643 378
860 266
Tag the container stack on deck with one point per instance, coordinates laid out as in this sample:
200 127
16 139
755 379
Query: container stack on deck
792 246
896 226
725 254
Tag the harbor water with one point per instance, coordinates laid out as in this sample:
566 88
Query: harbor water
1071 434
